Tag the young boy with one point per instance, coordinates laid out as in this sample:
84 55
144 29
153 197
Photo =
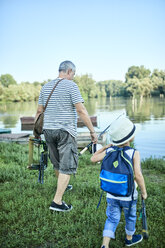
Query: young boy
122 132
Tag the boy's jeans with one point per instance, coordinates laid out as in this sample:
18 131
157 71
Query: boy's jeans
113 212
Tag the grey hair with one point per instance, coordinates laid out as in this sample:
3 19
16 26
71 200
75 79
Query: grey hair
66 65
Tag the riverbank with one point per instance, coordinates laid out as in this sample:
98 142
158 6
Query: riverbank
149 114
26 220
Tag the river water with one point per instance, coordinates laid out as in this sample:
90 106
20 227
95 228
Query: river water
148 113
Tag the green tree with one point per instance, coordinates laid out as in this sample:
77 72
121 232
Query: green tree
21 93
111 88
115 88
158 82
7 80
139 87
25 82
86 85
146 87
36 83
1 91
45 81
137 72
11 94
159 74
101 89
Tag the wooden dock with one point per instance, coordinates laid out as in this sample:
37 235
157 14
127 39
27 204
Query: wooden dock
27 123
83 138
15 137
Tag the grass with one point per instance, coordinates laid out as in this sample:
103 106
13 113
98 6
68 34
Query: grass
26 220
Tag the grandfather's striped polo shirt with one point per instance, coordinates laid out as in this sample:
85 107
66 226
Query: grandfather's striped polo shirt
60 111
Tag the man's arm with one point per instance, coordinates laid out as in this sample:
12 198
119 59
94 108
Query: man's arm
82 112
40 109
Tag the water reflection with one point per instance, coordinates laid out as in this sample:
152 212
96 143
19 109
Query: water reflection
9 121
137 110
18 108
10 113
143 110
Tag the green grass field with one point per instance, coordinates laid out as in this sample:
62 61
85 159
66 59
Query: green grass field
25 218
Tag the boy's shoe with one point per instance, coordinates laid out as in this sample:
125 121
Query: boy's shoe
60 208
103 246
135 239
69 187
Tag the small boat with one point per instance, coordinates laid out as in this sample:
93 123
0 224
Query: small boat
27 122
5 130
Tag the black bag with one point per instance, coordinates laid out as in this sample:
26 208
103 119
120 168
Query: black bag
38 125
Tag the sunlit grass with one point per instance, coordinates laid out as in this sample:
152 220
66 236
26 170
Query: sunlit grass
26 220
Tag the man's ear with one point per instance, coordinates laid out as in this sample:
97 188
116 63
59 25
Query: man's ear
69 71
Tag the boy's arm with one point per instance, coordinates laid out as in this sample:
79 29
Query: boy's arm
138 175
100 154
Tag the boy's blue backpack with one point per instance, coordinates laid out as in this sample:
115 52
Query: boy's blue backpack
117 176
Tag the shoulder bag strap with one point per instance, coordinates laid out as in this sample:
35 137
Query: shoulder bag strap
51 93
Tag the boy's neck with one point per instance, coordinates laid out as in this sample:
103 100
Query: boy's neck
125 144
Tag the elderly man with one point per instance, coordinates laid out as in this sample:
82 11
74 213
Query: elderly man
60 128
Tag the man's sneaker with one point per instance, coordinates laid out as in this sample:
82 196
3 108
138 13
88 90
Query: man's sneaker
61 208
135 239
69 187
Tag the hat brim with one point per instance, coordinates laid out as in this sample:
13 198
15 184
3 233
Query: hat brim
137 129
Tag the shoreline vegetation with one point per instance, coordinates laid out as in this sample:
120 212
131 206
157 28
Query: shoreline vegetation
26 220
139 82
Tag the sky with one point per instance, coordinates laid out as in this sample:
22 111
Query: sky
103 38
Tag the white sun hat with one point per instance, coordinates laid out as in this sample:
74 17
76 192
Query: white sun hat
121 131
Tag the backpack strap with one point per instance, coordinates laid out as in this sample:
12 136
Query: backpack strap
133 152
124 157
110 149
100 199
108 153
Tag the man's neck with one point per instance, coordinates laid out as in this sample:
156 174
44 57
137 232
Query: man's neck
62 75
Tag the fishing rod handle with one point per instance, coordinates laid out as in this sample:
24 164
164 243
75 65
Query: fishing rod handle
86 148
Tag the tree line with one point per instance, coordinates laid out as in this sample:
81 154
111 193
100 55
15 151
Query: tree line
139 82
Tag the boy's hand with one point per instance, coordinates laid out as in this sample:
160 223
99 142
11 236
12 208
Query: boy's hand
107 146
144 195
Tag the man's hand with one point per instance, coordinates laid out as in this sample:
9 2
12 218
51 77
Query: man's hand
94 137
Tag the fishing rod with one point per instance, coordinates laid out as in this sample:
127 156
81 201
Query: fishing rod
144 221
90 144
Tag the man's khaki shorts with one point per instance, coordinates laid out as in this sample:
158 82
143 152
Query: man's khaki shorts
62 148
